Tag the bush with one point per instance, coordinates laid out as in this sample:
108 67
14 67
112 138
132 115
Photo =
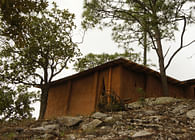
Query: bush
15 104
110 102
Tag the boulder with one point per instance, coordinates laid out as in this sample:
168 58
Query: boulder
93 124
161 100
99 115
179 109
191 114
69 121
135 105
142 133
108 119
46 128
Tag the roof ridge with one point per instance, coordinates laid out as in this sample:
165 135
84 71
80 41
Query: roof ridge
128 63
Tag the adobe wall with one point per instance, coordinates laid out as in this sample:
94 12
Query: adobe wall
176 91
153 88
130 83
80 96
57 100
83 95
189 92
110 80
73 97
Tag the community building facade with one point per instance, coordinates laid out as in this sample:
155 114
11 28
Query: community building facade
81 93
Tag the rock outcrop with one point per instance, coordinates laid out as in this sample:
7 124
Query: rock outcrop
163 118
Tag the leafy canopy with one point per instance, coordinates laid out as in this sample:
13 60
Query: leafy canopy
40 51
15 100
13 14
158 18
45 51
92 60
15 104
129 18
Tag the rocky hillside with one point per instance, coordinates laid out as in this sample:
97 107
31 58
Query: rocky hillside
161 118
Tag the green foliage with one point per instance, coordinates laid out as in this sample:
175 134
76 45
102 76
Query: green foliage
93 60
130 16
44 51
142 95
15 104
129 19
14 12
158 19
110 102
9 135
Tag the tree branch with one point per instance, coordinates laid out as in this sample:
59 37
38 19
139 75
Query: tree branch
62 68
167 52
189 44
27 83
154 45
181 44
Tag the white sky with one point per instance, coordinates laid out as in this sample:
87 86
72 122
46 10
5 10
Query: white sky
96 41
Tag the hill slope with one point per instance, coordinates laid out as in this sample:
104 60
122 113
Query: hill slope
153 119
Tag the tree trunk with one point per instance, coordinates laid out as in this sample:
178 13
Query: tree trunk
161 64
145 48
43 102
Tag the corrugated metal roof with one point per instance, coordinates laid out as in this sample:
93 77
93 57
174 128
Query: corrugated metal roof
126 63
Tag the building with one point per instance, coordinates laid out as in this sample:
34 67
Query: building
81 93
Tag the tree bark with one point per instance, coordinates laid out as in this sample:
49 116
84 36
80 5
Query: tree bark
145 48
43 102
161 63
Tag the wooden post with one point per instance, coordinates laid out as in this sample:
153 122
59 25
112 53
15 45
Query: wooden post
108 90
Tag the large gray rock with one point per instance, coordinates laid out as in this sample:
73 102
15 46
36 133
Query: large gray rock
135 105
93 124
47 136
99 115
142 133
69 121
161 100
152 101
150 112
109 119
70 137
179 109
46 128
191 114
38 129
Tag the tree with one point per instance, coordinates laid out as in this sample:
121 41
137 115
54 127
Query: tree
13 15
92 60
15 104
158 18
48 47
125 35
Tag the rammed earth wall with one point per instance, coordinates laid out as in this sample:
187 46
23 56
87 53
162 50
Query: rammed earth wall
80 94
